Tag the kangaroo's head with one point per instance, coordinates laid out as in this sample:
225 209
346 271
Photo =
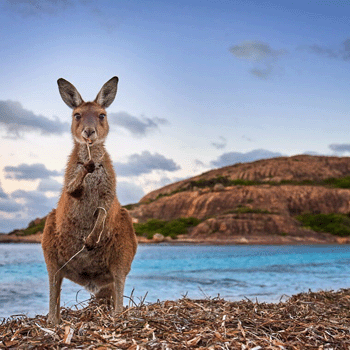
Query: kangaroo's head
89 122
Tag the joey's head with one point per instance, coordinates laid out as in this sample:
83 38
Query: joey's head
89 119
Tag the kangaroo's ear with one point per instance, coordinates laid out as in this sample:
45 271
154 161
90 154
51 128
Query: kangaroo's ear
69 93
107 94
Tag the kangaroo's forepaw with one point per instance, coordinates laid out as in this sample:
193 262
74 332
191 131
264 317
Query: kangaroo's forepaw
90 166
89 244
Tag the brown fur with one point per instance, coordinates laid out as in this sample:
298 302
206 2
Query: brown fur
79 221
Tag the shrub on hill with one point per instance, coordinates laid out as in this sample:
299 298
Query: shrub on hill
171 228
336 224
33 229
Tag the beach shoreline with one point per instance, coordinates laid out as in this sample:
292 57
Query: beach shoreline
232 240
315 319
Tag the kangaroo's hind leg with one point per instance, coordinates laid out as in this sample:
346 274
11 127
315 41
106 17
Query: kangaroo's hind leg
118 294
106 294
55 281
55 276
113 294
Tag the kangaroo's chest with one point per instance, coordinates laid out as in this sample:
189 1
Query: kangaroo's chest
97 183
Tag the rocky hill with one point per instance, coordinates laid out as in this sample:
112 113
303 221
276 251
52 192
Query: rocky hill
32 234
287 200
256 202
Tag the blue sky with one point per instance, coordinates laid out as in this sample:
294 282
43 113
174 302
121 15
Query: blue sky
203 84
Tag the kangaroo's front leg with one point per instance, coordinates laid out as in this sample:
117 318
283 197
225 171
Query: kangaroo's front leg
76 186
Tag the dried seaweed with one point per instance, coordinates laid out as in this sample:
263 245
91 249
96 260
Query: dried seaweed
306 321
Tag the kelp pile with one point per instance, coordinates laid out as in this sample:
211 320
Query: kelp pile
305 321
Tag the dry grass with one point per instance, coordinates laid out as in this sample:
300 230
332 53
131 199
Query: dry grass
306 321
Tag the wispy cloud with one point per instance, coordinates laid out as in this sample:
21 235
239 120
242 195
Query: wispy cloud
220 144
312 153
29 8
237 157
255 51
244 137
198 163
136 126
107 22
49 185
260 53
145 163
342 52
16 120
340 147
263 73
29 172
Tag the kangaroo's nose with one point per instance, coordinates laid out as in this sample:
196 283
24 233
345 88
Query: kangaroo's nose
89 131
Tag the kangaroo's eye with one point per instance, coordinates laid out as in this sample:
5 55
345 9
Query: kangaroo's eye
102 116
77 116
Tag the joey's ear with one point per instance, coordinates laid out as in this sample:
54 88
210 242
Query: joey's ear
107 94
69 93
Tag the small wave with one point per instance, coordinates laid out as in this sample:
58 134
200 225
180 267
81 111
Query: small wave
218 282
323 268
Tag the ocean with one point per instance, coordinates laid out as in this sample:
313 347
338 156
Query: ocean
168 272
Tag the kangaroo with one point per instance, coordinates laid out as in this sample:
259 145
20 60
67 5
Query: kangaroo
89 238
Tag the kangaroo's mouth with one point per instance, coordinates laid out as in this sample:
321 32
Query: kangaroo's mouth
88 141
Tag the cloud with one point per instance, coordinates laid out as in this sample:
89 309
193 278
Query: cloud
262 73
221 144
341 53
134 125
17 120
145 163
49 185
3 195
129 193
340 147
319 50
108 23
255 51
237 157
36 204
8 205
21 207
198 163
39 8
312 153
153 184
10 224
28 8
244 137
29 172
258 52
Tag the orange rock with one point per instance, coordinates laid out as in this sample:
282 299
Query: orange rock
273 207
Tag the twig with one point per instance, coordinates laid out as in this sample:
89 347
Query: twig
88 148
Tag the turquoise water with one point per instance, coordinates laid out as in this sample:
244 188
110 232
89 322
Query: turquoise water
169 272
